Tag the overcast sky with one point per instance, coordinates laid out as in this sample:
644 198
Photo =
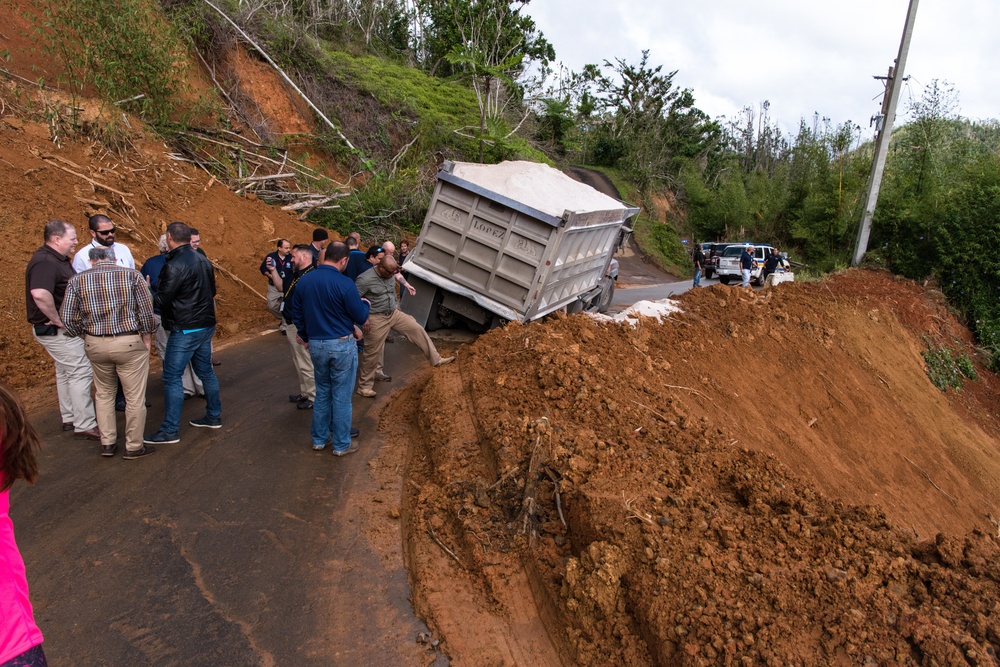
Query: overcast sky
803 56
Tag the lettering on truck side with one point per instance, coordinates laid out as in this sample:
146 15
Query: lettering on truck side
487 228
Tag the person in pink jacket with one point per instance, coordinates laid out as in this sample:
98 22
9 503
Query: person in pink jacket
20 638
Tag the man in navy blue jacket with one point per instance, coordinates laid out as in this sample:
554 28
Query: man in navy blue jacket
328 313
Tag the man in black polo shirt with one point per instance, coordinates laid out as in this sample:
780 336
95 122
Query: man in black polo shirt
279 262
48 273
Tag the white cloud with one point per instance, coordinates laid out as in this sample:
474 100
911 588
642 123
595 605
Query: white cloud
804 56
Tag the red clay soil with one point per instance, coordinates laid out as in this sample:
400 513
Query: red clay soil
766 478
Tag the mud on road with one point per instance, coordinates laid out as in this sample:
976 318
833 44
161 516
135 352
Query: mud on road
768 478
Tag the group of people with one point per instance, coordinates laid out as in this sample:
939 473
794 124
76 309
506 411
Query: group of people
748 263
97 317
334 300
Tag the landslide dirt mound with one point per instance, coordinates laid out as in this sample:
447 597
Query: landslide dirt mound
767 478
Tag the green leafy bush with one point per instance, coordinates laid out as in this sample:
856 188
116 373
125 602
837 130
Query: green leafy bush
947 367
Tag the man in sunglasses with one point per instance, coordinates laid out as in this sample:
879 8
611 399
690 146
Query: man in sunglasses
378 286
102 233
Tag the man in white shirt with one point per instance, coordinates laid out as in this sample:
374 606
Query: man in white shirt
102 233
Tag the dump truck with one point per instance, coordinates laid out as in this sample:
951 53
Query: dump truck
512 242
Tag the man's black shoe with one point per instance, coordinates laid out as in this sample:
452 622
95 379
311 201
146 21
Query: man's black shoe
206 422
304 404
109 450
355 432
139 453
295 398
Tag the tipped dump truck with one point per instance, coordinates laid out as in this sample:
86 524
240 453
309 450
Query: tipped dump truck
512 241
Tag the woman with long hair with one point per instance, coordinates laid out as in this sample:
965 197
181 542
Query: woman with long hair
20 638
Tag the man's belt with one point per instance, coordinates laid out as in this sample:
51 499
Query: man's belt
112 335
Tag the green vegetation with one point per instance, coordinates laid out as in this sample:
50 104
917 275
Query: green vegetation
125 49
947 367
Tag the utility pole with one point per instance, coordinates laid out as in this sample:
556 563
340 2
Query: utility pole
889 101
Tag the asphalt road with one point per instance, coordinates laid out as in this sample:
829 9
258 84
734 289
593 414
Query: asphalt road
237 546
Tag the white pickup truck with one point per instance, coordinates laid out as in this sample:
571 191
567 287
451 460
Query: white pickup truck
729 263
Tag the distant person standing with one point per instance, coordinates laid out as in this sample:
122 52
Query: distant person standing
320 238
773 262
20 638
302 264
747 263
151 272
196 242
404 250
378 286
102 233
699 264
186 299
46 278
356 258
278 262
111 308
327 313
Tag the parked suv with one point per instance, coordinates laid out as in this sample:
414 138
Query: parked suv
729 263
712 253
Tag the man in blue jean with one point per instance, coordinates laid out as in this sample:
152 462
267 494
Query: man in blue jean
185 297
328 313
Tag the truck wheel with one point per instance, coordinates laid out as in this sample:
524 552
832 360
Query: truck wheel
708 274
725 280
607 295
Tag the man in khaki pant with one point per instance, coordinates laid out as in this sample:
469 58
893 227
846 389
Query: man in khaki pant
112 308
379 286
302 263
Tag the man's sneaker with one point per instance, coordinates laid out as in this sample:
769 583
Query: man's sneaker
355 432
350 450
382 377
319 448
367 393
444 360
206 422
139 453
161 438
304 404
295 398
109 450
67 426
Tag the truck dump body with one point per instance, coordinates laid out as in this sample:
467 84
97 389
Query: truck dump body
518 239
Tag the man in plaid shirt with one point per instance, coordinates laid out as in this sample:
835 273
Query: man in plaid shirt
111 308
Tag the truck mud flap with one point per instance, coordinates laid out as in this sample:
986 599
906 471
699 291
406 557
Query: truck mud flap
423 305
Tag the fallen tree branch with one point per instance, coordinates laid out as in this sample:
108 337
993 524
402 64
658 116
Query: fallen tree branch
446 549
96 184
946 495
235 277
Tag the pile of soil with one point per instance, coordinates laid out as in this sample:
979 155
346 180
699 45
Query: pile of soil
767 477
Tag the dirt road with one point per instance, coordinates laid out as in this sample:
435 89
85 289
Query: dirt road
234 547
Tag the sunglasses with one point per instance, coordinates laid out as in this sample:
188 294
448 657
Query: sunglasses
105 232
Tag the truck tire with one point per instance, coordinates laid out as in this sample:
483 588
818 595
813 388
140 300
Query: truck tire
725 280
708 274
606 296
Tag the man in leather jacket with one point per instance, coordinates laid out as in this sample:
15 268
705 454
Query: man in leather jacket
185 297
